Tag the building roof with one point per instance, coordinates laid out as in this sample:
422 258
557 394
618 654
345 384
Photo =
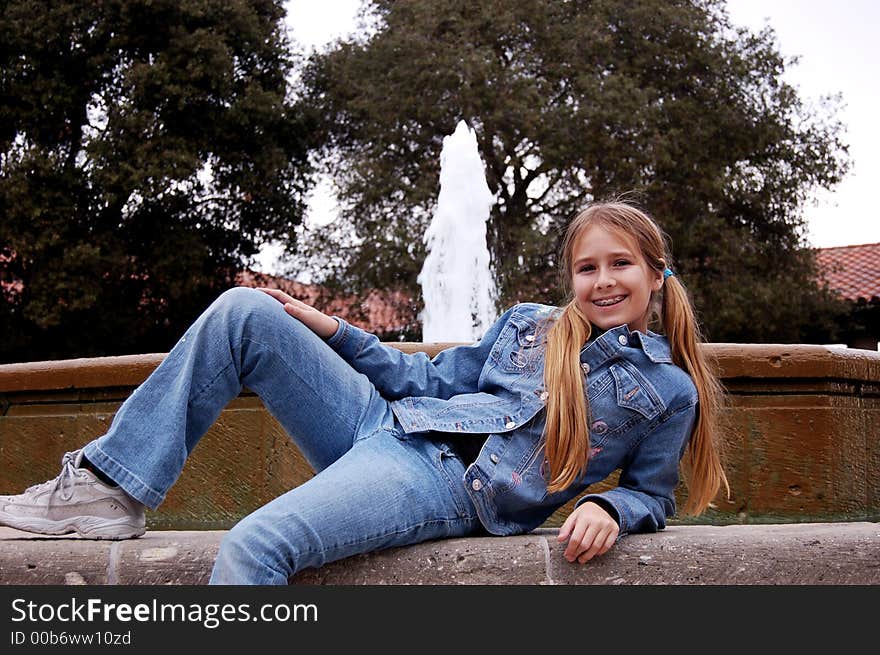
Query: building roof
854 271
380 312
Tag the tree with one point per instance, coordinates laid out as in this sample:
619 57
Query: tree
147 149
575 100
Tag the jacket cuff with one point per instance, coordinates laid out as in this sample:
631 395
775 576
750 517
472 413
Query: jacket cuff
342 334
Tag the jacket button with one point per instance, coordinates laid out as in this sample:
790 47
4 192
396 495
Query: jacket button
476 485
586 367
530 337
494 458
545 395
510 424
623 340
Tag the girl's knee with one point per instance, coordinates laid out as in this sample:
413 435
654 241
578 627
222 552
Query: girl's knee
243 305
243 297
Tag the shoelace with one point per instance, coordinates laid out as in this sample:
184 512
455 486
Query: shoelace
64 481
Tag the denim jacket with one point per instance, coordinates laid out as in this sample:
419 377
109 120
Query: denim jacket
642 412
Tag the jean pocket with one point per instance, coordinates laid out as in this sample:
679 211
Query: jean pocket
452 469
398 433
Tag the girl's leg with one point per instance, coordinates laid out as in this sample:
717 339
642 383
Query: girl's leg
243 339
383 492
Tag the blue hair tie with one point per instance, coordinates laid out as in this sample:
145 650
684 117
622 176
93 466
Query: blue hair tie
668 273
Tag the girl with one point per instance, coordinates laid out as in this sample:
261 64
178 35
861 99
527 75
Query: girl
488 438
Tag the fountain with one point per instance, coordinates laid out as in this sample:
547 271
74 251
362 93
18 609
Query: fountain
457 284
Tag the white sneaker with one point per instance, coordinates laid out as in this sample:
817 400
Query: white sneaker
75 501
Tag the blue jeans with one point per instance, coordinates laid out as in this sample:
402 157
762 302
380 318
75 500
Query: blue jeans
375 486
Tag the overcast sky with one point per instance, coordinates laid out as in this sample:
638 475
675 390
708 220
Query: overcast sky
837 43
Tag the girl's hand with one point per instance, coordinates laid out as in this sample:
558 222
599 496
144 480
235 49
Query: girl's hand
318 322
593 531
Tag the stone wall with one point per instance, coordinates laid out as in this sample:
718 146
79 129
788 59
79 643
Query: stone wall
801 434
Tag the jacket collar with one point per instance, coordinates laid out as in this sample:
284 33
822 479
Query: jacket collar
612 342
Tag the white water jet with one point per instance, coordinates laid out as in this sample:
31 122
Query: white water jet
457 284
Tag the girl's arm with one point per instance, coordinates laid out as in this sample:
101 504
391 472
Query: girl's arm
644 497
395 374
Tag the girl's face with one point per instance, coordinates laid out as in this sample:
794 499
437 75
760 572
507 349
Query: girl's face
612 282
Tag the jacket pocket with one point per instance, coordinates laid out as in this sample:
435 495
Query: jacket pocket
620 399
634 392
519 349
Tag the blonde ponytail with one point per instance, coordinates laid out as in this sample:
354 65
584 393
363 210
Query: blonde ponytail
567 444
703 471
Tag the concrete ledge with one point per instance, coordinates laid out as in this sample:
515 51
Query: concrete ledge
791 554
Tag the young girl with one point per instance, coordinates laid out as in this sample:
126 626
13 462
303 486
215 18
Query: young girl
488 438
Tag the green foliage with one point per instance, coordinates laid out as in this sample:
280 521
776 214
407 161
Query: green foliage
571 101
147 150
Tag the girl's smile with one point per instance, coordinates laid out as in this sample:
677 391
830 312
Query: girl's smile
609 302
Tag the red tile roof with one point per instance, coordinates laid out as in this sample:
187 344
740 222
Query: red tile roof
380 312
854 271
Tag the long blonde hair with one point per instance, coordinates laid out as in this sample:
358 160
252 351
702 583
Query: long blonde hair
567 437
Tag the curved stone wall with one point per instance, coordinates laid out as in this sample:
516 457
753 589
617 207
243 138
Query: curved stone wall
801 434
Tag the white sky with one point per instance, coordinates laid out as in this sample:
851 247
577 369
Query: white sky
837 43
